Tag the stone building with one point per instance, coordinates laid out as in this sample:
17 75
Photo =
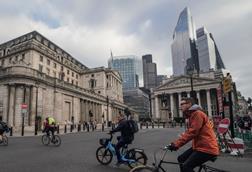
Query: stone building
37 72
167 97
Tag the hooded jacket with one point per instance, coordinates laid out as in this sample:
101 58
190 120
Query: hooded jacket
200 131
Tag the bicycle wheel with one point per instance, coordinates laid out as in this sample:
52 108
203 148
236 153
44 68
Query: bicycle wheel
143 169
5 140
103 155
56 141
139 157
45 140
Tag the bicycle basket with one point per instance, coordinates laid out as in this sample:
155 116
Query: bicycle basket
104 141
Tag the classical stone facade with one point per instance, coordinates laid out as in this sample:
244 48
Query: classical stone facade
51 82
167 97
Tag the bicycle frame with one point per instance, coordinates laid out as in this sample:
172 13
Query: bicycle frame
158 165
111 147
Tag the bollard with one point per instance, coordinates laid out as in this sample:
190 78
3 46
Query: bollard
84 126
11 131
93 127
180 123
87 127
57 129
147 125
65 129
164 125
152 125
79 127
102 127
158 124
71 128
141 125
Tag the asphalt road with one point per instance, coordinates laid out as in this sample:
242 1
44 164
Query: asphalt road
77 153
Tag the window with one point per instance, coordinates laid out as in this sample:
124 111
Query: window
41 58
48 71
16 58
55 65
67 79
72 74
76 76
68 72
77 83
92 75
72 81
48 62
62 68
23 55
92 83
41 68
10 59
3 62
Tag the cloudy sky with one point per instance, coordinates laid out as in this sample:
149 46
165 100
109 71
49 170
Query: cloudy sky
89 29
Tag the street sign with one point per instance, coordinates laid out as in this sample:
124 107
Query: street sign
227 85
24 106
223 126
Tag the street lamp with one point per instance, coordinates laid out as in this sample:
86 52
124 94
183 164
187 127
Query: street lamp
36 110
190 72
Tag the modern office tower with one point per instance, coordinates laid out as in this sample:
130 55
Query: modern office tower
219 62
130 68
209 56
206 50
184 52
149 72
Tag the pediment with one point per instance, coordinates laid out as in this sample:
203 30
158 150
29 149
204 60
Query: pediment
185 81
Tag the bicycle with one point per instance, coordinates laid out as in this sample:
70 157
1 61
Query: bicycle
132 157
157 166
4 140
47 139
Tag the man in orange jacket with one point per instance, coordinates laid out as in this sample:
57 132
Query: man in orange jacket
200 131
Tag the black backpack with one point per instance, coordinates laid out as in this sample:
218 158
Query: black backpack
133 127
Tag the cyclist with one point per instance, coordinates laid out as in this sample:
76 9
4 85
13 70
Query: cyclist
204 143
49 126
3 128
126 136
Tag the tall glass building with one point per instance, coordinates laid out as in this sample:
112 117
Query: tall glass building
209 56
130 68
184 52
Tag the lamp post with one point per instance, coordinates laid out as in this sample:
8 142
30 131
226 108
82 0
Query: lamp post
107 111
36 110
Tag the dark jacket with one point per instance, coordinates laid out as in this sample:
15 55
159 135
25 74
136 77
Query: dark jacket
123 127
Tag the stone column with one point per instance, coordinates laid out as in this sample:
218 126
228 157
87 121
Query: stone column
179 98
198 97
157 107
209 104
11 107
172 105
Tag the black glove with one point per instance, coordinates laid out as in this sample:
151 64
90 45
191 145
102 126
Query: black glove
171 147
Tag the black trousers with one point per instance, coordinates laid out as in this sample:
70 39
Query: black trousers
191 159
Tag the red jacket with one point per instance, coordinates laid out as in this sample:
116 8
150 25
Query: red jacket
201 133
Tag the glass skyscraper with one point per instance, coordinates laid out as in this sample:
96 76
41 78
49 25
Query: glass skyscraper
130 68
184 53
